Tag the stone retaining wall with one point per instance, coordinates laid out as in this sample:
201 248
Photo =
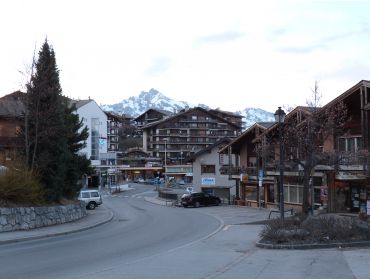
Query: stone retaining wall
23 218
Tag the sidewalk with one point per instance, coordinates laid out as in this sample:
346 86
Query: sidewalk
99 216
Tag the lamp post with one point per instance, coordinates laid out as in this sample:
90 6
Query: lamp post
279 118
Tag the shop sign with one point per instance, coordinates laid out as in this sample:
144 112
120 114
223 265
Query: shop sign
244 178
209 181
324 194
349 176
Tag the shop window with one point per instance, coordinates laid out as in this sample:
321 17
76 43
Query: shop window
293 193
251 193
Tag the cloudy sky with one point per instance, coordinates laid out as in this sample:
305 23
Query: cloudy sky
224 53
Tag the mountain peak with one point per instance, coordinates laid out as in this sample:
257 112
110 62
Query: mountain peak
136 105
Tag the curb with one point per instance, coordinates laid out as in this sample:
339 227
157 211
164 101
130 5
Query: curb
20 239
313 246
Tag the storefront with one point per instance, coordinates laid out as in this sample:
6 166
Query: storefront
351 196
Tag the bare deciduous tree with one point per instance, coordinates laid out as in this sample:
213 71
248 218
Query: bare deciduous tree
304 137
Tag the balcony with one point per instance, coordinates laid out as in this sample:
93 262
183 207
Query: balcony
233 170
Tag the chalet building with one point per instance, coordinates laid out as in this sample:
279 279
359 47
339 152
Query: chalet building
11 120
339 183
149 116
207 169
229 116
182 135
293 173
134 164
349 182
245 162
256 171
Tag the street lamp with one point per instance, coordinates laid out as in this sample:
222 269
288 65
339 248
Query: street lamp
279 118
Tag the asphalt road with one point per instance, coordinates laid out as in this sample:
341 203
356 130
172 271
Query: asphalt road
146 240
139 230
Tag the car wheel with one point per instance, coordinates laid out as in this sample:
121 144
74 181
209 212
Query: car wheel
185 206
91 205
196 205
217 202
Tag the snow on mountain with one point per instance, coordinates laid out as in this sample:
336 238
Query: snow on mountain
253 115
136 105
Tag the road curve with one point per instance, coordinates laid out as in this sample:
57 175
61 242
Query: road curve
138 230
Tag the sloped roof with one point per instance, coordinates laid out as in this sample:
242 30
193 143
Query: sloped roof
163 112
187 111
347 93
79 103
208 149
117 116
263 125
226 112
11 105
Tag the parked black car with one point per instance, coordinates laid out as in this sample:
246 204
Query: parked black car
199 199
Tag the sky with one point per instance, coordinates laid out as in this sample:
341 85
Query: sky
227 54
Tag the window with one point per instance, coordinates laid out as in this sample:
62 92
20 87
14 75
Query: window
350 144
94 194
94 138
221 159
293 193
85 195
208 169
194 118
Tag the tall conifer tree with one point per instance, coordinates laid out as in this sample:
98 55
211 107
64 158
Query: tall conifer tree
52 130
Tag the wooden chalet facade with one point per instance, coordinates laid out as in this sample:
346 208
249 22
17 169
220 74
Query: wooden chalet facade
338 183
349 183
11 120
182 135
244 165
149 116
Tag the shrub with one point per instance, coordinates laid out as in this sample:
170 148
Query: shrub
322 229
20 186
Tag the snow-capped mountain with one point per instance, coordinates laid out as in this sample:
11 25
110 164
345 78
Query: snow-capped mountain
136 105
253 115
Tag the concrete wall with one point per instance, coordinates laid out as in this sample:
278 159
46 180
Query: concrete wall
86 113
220 181
23 218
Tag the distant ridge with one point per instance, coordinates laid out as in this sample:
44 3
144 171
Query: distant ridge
136 105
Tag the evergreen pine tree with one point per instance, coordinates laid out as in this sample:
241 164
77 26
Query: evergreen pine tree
52 130
77 165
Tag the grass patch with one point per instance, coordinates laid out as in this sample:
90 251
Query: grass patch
20 187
